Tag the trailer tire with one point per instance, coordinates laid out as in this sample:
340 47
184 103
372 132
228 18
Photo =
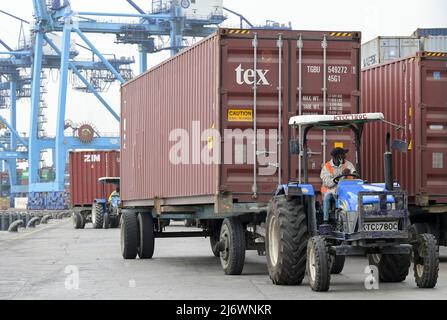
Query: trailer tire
97 216
337 264
232 258
77 220
318 264
129 236
286 241
426 261
147 236
214 242
392 267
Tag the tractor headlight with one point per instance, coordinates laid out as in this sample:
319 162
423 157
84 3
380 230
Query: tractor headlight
391 206
368 207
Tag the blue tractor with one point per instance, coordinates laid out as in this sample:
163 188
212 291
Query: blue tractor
365 219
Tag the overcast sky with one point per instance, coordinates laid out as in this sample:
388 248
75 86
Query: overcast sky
372 18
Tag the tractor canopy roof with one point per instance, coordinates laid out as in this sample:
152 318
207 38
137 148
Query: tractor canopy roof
109 180
335 121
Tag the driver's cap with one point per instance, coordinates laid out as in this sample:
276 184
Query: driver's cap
339 151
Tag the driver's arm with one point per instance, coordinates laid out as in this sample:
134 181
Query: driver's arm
351 167
327 178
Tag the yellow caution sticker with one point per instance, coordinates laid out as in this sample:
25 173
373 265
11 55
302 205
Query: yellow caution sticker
339 145
239 115
410 145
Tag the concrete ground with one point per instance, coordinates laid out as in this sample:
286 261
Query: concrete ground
46 263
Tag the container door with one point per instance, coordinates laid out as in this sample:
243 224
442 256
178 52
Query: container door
254 74
326 74
434 128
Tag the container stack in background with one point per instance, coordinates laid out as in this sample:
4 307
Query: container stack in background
386 49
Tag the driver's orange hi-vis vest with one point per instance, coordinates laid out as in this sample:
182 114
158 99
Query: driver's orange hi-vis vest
324 189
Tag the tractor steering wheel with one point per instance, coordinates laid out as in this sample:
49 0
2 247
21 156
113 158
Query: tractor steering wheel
354 175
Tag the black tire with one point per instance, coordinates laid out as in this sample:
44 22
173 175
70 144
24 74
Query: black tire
232 258
77 220
337 264
147 236
97 216
392 267
426 261
286 241
214 242
107 220
318 264
417 229
129 235
115 222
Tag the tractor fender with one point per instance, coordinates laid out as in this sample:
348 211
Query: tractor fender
295 189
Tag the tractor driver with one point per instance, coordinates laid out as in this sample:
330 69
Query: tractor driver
332 169
115 193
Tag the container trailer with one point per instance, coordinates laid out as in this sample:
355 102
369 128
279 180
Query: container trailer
412 93
199 134
87 188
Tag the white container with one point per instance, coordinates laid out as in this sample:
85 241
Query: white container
21 203
386 49
435 43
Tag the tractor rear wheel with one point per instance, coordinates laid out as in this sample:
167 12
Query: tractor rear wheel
337 264
97 216
318 264
232 258
286 241
392 267
426 261
147 235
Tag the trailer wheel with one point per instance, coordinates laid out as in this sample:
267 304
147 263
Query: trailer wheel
337 264
214 242
286 241
77 220
97 216
147 236
426 261
232 258
129 235
318 264
392 267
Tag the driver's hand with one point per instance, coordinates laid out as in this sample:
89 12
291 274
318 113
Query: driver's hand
346 171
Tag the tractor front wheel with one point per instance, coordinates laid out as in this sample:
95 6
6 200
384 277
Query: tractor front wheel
337 264
318 264
426 261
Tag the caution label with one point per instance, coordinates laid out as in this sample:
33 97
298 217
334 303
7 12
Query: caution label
239 115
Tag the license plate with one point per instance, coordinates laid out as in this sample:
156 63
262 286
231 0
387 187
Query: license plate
381 226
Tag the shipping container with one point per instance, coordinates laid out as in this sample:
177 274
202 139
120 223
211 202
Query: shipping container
210 86
434 44
426 32
199 132
412 93
86 167
386 49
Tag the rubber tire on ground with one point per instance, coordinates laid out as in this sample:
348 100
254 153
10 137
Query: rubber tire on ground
417 229
129 235
286 251
392 267
318 259
77 220
232 258
146 235
115 222
337 264
426 261
97 216
107 220
214 241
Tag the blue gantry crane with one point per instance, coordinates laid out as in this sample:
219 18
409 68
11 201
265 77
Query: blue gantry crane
176 19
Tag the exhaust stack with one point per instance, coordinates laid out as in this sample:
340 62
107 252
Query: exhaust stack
388 164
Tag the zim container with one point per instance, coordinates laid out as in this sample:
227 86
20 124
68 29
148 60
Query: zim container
86 167
187 124
411 93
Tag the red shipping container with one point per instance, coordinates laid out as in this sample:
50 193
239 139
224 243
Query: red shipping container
412 93
86 167
211 86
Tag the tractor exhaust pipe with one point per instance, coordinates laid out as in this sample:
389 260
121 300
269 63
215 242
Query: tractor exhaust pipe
388 164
